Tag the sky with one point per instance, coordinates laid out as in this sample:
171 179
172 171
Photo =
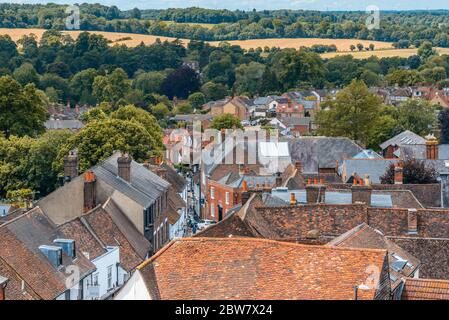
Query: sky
322 5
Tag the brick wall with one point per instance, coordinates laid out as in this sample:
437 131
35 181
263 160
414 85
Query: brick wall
219 199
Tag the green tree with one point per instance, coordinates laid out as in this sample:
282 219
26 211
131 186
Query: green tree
414 172
354 113
26 74
197 99
99 139
418 116
112 87
22 109
81 86
131 113
26 163
214 91
160 111
226 121
249 78
184 108
426 50
149 82
443 119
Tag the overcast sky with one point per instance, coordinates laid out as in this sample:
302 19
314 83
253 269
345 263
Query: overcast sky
322 5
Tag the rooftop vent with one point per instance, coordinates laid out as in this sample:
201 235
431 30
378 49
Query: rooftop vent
67 245
53 254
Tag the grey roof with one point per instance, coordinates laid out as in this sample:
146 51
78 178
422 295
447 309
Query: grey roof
332 197
293 121
375 168
367 154
262 100
192 117
63 124
252 181
321 152
443 151
145 186
406 137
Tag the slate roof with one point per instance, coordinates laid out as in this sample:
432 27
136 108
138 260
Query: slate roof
367 154
248 268
192 117
107 226
321 152
425 289
21 238
145 186
364 236
375 168
63 124
405 137
332 197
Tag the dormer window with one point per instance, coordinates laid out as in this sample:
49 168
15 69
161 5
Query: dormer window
53 254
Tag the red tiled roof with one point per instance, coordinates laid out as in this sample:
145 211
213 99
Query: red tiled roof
425 289
246 268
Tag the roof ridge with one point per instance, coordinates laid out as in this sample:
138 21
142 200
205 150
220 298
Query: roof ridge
21 216
157 254
283 243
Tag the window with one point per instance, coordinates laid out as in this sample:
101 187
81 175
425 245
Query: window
109 277
212 192
227 197
95 282
212 210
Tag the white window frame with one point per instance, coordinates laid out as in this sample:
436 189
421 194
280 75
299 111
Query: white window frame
110 284
227 196
212 210
212 193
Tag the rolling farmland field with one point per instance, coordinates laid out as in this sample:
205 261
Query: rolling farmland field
383 49
342 44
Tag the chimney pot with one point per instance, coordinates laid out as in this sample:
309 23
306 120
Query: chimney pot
292 199
89 191
315 193
361 193
124 167
71 166
398 173
298 165
412 220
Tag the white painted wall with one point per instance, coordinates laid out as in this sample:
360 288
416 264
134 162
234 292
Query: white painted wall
134 289
102 263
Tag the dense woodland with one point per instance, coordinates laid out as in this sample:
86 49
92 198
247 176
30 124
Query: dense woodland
409 28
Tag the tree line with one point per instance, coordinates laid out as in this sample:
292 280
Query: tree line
404 28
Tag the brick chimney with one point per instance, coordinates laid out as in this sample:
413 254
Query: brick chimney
298 165
245 192
89 191
124 167
293 201
70 166
412 221
431 147
315 191
398 173
3 284
278 179
361 191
